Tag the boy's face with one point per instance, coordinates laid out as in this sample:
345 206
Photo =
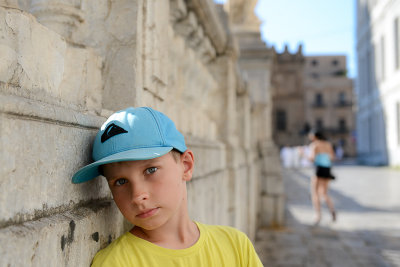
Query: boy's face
150 193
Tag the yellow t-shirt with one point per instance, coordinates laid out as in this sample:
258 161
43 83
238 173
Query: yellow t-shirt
217 246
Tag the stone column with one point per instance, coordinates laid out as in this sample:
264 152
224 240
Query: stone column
256 64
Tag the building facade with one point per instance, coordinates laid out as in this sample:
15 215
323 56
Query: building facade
313 93
288 98
378 82
328 95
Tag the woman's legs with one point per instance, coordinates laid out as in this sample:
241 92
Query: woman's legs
319 187
323 190
315 198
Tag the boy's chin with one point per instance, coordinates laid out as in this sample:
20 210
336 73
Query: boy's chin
140 231
147 226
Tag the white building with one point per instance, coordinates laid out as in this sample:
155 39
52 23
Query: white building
378 81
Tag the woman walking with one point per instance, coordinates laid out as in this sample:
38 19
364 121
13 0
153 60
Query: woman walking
322 154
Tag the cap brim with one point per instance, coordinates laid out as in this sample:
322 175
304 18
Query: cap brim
92 171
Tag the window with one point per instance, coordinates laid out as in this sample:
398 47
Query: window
342 98
281 120
370 70
398 122
380 59
342 142
319 125
341 72
362 89
335 62
315 75
319 100
314 62
397 43
342 125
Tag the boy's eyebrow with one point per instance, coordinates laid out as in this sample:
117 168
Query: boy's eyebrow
143 164
108 178
150 162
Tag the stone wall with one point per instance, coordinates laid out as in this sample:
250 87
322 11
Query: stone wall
67 65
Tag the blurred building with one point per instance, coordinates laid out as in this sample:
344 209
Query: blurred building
312 92
288 98
328 94
378 82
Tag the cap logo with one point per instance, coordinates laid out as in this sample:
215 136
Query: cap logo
111 131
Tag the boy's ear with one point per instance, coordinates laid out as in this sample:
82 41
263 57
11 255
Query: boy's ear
187 160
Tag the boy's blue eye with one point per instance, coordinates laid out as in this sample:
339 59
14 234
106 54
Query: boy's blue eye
151 170
121 181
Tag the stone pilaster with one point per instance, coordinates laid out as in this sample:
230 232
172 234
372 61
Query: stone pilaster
62 16
152 46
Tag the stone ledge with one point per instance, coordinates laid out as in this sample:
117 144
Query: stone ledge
194 141
209 157
208 16
33 109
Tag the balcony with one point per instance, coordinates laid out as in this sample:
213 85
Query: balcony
344 103
318 104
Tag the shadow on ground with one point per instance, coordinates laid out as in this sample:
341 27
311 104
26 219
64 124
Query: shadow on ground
299 244
342 201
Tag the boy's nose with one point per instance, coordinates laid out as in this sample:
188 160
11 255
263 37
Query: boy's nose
138 199
139 196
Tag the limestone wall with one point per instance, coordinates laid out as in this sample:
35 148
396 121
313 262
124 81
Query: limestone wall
65 66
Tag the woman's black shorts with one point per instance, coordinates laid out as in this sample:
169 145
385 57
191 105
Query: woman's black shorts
324 173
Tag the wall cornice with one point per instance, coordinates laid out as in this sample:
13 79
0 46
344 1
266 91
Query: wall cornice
208 17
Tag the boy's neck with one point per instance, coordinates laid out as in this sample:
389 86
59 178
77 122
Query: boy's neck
173 235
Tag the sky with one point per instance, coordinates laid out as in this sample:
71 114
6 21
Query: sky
323 27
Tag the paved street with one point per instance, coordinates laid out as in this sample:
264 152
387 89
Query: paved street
367 232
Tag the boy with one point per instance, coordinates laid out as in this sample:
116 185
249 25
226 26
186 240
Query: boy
147 164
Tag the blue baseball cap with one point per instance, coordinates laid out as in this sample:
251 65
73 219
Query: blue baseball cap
132 134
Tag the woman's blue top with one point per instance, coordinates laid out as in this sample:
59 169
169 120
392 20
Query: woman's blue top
323 160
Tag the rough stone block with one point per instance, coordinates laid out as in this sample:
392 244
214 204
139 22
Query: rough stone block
207 198
36 173
279 216
9 3
39 64
209 156
267 210
241 197
41 52
273 185
82 80
71 238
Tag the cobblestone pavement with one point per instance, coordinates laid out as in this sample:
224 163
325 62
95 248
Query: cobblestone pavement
366 233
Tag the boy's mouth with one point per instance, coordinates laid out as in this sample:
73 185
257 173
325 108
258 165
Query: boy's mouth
147 213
